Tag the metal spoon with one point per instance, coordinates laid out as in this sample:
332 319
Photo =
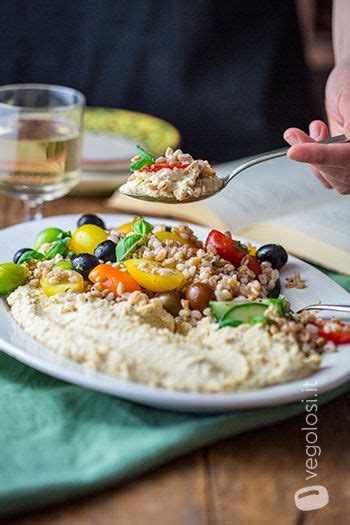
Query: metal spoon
329 307
226 180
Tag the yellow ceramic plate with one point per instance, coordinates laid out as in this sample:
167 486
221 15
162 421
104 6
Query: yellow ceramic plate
111 136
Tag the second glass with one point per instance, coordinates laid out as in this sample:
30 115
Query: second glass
40 143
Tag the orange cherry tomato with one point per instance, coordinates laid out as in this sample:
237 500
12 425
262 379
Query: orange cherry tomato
127 227
114 280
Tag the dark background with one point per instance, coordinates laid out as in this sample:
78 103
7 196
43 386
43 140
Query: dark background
230 75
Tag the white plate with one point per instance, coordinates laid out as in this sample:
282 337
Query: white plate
14 341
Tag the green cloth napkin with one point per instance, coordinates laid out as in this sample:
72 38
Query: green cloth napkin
58 441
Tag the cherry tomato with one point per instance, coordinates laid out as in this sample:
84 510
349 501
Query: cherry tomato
86 238
228 249
199 295
171 236
154 281
157 167
110 278
127 227
340 336
171 301
254 265
71 281
12 276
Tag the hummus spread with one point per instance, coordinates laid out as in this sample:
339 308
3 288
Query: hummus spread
138 343
176 175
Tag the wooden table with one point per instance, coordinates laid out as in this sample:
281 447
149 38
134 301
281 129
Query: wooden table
247 480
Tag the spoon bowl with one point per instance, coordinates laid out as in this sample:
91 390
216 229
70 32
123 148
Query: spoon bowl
169 200
228 178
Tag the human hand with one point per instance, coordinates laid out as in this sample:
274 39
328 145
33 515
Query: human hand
330 163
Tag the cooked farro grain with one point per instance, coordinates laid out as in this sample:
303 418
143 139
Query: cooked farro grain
295 281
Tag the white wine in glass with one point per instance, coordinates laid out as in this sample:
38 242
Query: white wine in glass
40 143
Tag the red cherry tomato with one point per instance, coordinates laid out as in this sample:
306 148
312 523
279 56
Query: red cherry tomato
157 167
254 265
340 336
231 251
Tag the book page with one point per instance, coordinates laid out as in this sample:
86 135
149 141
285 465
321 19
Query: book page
329 223
320 235
270 190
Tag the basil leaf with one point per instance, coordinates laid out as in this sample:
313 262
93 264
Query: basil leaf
168 229
280 306
57 247
30 255
64 235
142 227
127 245
146 159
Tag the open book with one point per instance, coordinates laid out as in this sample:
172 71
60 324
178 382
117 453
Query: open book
278 201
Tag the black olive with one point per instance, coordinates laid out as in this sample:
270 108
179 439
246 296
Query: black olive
273 253
84 263
19 254
105 251
91 219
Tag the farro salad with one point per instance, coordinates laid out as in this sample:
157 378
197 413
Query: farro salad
175 175
155 304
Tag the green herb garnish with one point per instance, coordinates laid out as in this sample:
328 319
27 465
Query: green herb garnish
127 245
60 246
141 229
30 255
280 305
146 159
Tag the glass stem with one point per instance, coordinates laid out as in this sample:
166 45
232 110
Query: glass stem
33 210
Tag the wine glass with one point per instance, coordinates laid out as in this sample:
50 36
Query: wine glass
40 143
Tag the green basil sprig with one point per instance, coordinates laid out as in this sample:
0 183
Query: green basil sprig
30 255
126 246
142 227
146 159
60 246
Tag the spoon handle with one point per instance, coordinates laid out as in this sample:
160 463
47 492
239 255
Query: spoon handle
278 153
329 307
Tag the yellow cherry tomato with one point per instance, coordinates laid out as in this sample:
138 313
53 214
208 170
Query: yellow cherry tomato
127 227
72 281
156 282
170 236
86 238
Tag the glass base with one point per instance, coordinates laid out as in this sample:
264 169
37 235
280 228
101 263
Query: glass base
33 210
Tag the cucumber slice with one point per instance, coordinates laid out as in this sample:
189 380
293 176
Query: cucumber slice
276 291
243 313
219 308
